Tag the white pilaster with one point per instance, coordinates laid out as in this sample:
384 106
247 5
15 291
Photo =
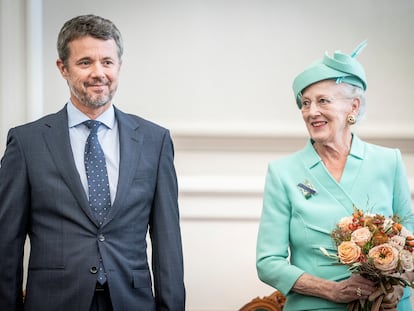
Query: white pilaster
13 66
34 59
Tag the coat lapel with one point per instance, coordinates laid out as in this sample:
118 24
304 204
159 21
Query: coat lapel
56 135
324 180
353 164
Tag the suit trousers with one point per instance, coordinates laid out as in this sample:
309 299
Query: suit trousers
101 300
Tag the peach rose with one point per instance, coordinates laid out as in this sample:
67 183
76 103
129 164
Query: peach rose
348 252
361 236
406 260
385 257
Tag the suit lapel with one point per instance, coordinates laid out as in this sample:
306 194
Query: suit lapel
130 142
56 135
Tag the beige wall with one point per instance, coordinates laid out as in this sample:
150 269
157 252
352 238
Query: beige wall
218 73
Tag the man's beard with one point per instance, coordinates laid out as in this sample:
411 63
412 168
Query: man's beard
96 101
91 101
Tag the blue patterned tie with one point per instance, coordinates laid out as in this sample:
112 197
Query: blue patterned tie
98 184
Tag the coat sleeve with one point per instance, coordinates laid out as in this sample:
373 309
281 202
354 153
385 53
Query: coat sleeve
402 194
272 253
14 207
167 257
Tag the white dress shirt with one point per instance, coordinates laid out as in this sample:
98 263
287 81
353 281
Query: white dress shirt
108 137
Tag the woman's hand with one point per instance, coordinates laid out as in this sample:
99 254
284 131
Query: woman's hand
391 298
394 293
354 288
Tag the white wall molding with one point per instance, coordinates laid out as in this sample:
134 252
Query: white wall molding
228 198
245 142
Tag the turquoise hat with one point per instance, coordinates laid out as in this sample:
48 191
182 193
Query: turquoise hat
342 67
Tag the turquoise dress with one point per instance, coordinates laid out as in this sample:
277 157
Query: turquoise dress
294 226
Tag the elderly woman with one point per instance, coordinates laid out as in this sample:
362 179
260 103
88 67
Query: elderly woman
308 192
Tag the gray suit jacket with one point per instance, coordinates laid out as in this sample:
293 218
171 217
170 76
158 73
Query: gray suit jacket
41 195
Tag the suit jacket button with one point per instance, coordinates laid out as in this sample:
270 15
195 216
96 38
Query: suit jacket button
101 237
93 270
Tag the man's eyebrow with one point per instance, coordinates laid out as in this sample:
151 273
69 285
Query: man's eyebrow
83 58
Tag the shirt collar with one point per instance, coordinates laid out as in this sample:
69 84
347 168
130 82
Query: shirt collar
76 117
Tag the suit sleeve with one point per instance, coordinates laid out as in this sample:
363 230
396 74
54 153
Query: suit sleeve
167 258
14 207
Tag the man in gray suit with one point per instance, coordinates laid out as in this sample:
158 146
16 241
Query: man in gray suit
85 256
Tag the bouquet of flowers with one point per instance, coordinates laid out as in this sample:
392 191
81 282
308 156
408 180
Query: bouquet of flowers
378 248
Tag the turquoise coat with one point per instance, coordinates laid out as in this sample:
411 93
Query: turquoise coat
293 227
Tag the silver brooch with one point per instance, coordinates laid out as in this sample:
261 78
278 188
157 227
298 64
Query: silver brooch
307 189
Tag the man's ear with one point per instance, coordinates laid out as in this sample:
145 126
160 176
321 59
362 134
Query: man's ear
62 68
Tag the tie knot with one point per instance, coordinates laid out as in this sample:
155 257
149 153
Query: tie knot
93 125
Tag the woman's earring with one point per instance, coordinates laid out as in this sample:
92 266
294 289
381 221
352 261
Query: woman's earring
351 119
